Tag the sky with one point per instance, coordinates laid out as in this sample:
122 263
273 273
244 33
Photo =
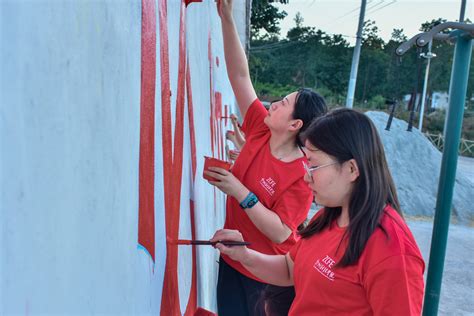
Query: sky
342 16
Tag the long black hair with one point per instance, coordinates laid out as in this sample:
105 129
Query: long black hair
308 106
275 300
346 134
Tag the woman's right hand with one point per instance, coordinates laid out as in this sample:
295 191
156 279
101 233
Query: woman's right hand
234 154
224 8
237 253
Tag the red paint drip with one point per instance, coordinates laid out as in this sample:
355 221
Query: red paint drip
146 187
217 61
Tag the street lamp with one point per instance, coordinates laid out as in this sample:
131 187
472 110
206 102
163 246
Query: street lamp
428 55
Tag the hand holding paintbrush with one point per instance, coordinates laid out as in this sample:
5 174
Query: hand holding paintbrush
228 243
223 236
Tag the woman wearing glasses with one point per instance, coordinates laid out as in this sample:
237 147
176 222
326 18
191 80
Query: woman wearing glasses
357 256
267 197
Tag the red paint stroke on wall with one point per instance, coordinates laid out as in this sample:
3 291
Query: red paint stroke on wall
192 300
211 89
146 188
203 312
212 118
192 133
172 159
226 114
218 124
188 2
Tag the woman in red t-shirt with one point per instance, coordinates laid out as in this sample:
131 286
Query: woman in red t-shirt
357 256
267 197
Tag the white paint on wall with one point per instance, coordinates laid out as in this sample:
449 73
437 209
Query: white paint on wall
69 142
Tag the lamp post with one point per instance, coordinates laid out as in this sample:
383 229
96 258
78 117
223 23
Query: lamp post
428 56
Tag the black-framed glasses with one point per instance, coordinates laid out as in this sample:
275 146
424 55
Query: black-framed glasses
310 170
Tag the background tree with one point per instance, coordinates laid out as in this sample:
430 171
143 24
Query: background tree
312 58
265 20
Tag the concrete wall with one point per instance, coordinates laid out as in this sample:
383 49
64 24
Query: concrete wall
70 128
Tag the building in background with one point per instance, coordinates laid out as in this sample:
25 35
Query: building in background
439 100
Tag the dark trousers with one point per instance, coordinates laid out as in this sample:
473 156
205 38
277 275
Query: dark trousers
237 294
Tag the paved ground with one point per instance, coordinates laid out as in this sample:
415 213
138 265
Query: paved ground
466 165
457 288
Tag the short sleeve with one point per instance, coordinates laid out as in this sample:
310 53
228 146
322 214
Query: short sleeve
395 286
294 250
294 204
253 120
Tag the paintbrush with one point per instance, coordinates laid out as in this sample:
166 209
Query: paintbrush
227 243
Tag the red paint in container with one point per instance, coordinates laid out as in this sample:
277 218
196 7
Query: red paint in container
213 162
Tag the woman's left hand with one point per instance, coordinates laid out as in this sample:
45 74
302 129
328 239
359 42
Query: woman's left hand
227 182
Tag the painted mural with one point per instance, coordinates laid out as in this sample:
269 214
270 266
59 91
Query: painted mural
107 112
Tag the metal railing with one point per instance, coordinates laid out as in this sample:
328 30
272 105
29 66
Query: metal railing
466 147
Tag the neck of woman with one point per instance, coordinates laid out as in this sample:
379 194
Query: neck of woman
343 219
284 147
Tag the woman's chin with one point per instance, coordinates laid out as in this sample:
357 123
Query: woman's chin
265 120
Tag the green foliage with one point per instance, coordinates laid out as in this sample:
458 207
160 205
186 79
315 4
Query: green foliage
428 25
269 90
308 57
370 35
376 103
265 20
434 122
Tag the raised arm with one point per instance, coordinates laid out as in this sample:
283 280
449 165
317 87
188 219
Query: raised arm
277 270
235 59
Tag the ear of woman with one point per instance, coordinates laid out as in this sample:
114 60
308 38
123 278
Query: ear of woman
354 170
296 125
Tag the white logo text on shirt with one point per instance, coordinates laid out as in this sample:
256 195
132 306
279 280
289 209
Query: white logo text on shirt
268 184
324 267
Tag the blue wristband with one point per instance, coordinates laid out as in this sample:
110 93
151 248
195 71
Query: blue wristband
250 200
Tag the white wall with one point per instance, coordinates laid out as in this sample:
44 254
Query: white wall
69 139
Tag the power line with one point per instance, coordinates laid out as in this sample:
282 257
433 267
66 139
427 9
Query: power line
284 44
390 3
374 6
276 45
346 14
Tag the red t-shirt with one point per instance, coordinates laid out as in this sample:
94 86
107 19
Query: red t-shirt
387 279
278 185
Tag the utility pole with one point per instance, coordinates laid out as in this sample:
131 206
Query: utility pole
355 57
463 9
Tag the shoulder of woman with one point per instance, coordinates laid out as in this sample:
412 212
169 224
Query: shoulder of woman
392 237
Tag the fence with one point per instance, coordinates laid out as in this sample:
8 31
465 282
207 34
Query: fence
466 147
